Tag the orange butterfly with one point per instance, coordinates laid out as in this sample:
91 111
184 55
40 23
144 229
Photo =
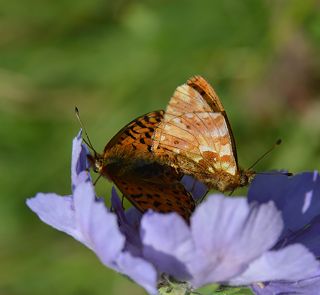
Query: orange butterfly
127 160
196 139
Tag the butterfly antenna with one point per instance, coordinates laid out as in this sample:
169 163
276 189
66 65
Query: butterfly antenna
277 143
276 173
88 141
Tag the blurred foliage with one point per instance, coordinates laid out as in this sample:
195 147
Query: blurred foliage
116 60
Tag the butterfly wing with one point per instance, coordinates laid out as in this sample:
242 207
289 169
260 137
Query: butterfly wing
195 132
132 167
137 134
199 84
156 187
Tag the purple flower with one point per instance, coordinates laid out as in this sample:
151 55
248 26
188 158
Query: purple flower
85 217
228 240
298 198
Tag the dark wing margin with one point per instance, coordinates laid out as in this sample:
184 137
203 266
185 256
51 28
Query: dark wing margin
199 84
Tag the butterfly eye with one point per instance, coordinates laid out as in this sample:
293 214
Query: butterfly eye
244 180
246 177
94 162
98 164
91 160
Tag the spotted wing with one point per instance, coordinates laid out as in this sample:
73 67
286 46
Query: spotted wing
194 133
137 135
153 186
146 183
199 84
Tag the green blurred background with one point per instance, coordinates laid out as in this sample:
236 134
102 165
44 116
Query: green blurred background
117 60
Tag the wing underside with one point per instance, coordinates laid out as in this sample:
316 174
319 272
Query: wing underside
145 182
195 131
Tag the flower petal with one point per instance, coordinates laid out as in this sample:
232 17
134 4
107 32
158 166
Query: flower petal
139 270
309 286
266 187
58 212
85 217
197 189
134 217
98 226
167 242
291 263
297 197
79 162
228 235
308 236
129 230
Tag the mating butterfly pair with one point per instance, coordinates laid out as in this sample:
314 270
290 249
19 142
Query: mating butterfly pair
148 157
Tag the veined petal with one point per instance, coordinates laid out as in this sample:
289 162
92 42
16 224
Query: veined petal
308 236
228 235
292 263
308 286
127 227
56 211
83 198
98 226
79 162
139 270
167 242
228 240
297 197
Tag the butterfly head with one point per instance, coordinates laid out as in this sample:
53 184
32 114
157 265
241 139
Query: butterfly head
246 176
96 162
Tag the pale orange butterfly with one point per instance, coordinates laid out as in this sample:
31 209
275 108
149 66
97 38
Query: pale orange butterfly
195 138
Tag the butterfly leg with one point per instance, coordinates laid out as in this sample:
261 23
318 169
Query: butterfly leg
122 201
95 182
202 198
230 194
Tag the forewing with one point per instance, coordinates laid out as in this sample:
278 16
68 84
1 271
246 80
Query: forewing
137 135
132 167
199 84
194 132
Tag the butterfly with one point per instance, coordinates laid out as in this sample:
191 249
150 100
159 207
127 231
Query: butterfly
195 138
128 161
